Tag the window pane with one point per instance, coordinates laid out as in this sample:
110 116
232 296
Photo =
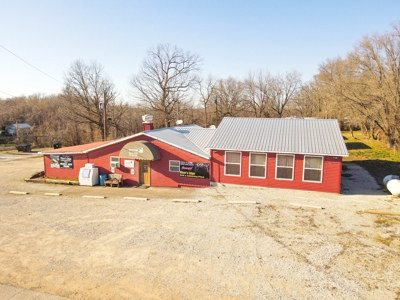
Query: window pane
285 160
313 162
174 166
312 175
257 171
284 173
232 169
233 157
257 159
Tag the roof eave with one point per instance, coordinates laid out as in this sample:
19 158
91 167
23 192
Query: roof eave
283 152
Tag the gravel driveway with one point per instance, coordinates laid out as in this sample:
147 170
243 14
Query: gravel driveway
158 249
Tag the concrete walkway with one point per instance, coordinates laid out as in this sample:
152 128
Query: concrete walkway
8 292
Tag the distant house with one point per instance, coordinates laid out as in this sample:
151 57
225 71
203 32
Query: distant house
296 153
282 153
14 128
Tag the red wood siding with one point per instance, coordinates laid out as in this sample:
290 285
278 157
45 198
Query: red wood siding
159 176
331 176
79 161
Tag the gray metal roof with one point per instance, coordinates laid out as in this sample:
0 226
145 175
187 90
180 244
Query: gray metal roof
303 136
198 136
191 138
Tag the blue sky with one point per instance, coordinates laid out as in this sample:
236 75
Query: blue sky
232 37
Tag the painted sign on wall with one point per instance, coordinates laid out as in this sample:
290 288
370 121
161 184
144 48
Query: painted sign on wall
194 170
62 162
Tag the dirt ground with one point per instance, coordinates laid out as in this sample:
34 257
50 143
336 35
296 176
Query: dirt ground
113 248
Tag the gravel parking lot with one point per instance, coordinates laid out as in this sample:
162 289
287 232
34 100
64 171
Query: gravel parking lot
114 248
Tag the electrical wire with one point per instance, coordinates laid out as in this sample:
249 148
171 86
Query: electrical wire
7 94
30 65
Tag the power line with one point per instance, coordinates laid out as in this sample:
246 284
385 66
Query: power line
30 64
7 94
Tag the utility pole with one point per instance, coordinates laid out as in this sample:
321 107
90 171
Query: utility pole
216 109
105 118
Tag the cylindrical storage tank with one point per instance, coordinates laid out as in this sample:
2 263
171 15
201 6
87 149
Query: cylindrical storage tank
393 187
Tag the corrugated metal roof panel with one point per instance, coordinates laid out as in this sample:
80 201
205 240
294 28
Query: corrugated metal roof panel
191 138
198 136
306 136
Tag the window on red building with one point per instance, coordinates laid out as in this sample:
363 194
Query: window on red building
313 168
233 163
257 165
284 166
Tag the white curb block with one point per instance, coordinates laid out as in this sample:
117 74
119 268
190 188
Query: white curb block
52 194
186 200
95 197
136 198
19 193
244 202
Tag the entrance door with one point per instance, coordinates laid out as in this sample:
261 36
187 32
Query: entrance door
144 176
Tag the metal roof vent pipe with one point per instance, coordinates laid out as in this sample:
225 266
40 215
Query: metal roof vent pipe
147 122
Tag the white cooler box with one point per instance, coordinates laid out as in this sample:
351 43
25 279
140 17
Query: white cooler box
89 175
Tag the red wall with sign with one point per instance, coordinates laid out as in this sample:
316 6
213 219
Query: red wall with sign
159 169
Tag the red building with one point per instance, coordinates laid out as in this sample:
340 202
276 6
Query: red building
283 153
291 153
172 157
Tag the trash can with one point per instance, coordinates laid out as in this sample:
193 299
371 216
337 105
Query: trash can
102 179
57 145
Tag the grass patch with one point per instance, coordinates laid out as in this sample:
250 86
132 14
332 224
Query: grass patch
363 148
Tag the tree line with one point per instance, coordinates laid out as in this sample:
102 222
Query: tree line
361 90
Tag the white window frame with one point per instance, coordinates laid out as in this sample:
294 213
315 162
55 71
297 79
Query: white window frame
179 166
240 164
276 167
265 165
115 159
304 168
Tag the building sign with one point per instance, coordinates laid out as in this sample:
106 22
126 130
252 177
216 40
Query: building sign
129 164
194 170
134 152
62 162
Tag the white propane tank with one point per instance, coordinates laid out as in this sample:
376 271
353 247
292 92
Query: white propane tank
389 177
393 187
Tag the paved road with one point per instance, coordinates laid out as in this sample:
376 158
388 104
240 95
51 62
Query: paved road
12 156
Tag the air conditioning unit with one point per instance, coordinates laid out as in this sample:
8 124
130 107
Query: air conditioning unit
114 165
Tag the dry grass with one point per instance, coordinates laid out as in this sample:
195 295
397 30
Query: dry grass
383 240
387 221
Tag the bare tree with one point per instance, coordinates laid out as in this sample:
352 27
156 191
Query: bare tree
257 90
283 89
206 90
88 93
165 78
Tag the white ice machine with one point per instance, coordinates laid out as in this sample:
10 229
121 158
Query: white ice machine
89 175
